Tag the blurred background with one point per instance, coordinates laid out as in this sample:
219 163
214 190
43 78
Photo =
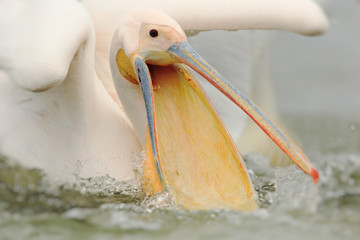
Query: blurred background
317 80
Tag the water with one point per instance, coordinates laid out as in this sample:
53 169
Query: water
291 206
316 83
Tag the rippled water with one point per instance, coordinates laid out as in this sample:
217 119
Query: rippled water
317 84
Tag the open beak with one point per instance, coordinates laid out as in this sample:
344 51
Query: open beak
187 55
181 52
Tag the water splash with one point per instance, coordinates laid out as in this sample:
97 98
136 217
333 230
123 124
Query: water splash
285 188
28 190
290 206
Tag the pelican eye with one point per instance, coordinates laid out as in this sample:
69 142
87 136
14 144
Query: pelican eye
153 33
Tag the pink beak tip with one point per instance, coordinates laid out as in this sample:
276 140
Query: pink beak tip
314 174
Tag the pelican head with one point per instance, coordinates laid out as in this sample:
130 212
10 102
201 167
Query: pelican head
188 150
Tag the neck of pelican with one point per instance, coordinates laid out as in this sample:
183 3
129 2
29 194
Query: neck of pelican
129 94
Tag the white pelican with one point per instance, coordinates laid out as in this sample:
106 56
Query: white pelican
301 16
57 116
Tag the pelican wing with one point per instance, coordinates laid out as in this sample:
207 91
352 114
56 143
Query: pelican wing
30 53
301 16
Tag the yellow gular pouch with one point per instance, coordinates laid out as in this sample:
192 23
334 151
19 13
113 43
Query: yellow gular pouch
125 67
200 163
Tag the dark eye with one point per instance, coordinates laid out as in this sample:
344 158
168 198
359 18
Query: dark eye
153 33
